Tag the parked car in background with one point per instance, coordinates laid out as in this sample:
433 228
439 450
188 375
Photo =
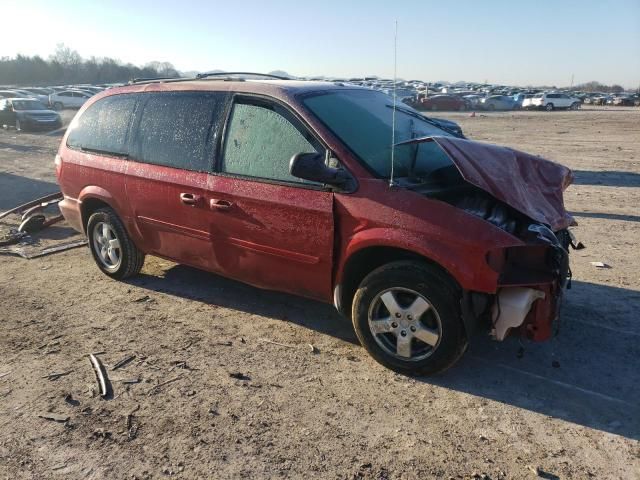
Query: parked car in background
68 99
626 101
498 102
27 113
550 101
440 102
9 94
473 101
187 170
24 93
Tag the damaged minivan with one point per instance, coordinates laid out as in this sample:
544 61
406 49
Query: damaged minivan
330 192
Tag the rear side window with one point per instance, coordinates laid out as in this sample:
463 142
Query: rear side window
104 125
260 141
178 129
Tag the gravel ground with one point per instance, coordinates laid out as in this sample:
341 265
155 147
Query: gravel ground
224 384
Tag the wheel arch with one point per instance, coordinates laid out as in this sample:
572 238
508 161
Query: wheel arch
368 258
93 198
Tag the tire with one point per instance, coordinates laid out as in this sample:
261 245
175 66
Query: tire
549 107
440 324
116 255
58 106
434 108
575 106
491 107
18 125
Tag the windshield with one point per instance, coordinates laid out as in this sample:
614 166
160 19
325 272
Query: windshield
28 105
363 120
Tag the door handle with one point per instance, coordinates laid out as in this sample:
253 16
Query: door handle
189 198
220 204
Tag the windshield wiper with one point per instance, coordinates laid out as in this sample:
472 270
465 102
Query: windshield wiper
424 118
104 152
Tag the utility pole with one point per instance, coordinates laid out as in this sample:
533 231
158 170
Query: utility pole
572 80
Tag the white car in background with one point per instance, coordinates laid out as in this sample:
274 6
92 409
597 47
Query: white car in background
68 99
551 100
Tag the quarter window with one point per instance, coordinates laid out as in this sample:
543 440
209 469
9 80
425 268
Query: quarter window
260 141
104 125
178 129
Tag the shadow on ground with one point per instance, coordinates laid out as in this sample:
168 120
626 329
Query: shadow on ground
607 178
16 190
589 374
607 216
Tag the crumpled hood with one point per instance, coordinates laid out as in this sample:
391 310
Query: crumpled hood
529 184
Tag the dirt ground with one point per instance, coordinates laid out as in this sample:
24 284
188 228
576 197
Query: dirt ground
569 407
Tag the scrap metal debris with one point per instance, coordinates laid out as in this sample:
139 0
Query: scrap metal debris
100 374
32 220
600 265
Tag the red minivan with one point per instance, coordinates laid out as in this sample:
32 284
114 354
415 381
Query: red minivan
296 186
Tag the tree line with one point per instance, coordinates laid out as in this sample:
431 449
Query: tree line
66 66
599 87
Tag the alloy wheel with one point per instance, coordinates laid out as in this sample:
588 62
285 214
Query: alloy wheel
404 324
107 246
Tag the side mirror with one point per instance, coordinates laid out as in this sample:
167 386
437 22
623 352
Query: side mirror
311 166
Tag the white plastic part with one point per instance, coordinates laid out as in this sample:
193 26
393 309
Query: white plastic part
511 307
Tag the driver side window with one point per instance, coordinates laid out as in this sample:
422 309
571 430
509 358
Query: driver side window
261 138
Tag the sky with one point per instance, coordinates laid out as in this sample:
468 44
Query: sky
546 42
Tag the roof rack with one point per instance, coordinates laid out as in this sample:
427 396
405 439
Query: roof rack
226 74
156 79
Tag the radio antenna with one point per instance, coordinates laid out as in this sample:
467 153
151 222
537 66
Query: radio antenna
393 114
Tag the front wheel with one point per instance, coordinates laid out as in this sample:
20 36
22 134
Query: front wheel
575 106
112 249
58 106
407 316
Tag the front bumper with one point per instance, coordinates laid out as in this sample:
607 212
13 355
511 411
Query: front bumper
531 288
36 124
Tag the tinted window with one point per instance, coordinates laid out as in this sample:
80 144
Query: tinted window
261 140
178 129
104 125
553 95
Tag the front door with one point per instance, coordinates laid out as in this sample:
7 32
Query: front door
269 228
171 155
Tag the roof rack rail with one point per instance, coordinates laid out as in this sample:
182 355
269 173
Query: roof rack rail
154 79
223 74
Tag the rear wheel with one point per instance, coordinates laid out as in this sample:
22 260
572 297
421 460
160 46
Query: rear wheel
407 316
575 106
549 107
58 105
112 249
